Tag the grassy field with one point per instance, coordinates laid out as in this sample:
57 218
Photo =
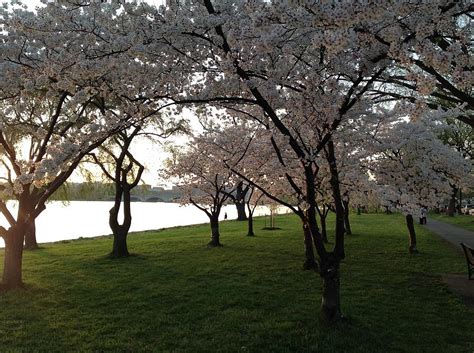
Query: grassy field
462 221
251 295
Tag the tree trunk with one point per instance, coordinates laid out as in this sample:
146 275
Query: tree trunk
338 201
330 302
120 231
323 213
25 208
324 232
411 233
239 202
214 232
347 224
459 208
120 248
30 236
250 232
309 260
122 177
452 203
241 215
12 268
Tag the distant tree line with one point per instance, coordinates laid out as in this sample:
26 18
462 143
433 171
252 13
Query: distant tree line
99 191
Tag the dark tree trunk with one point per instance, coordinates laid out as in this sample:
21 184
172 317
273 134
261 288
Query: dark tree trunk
25 208
12 268
14 238
324 232
330 303
250 232
347 224
239 201
459 208
241 215
309 259
30 236
124 171
323 213
215 241
411 233
120 248
120 231
329 271
452 203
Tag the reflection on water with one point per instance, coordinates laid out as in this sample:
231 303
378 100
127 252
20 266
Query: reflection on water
90 218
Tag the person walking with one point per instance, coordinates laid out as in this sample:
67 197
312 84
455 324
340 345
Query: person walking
423 211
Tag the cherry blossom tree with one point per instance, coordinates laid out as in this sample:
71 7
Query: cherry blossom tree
459 136
306 69
202 181
120 165
59 99
125 171
56 144
430 44
304 79
414 169
243 152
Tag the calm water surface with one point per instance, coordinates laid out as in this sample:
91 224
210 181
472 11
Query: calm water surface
63 221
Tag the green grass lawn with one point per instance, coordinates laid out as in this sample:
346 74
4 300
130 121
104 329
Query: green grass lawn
251 295
462 221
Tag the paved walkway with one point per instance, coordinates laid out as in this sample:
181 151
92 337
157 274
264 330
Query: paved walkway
453 234
459 284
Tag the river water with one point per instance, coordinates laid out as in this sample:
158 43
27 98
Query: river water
75 219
